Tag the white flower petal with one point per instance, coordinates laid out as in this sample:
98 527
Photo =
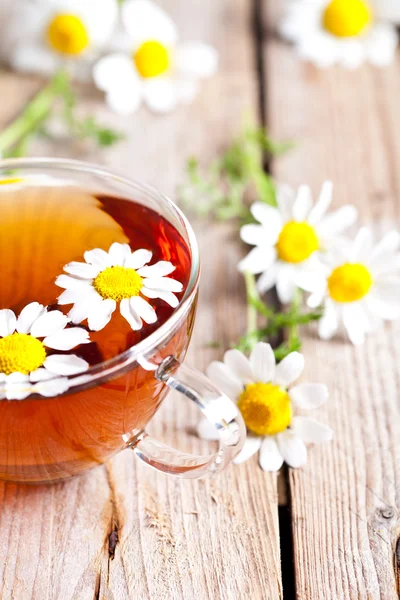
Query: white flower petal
82 270
258 260
8 322
98 258
253 234
323 203
118 253
286 282
82 308
292 448
33 58
225 380
383 307
67 339
337 221
289 369
144 20
49 323
328 324
72 283
73 296
161 94
65 364
311 431
145 311
130 314
207 431
114 71
168 297
309 395
270 457
50 389
302 203
250 447
267 280
163 283
28 316
99 314
262 360
239 365
17 378
138 259
356 322
385 249
270 218
160 269
124 100
196 60
40 374
361 245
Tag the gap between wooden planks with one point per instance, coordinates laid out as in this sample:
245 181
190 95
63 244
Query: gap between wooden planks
124 531
345 502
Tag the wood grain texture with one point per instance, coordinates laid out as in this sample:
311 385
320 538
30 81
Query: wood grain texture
346 501
125 531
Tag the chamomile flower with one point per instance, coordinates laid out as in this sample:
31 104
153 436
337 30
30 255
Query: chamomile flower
260 389
360 286
290 238
46 34
25 365
118 276
343 32
149 65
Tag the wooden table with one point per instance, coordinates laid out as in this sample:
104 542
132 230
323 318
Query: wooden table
124 531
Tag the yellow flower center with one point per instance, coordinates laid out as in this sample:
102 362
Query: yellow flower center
67 34
346 18
266 408
152 59
10 181
349 282
21 353
296 242
117 283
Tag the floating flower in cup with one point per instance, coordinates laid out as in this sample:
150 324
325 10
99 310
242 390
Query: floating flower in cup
291 237
343 32
25 365
45 35
361 286
118 276
260 389
150 66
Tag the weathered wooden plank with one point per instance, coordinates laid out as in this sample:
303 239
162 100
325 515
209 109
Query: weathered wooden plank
345 502
124 531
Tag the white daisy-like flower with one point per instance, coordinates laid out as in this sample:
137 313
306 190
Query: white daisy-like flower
47 34
290 238
360 286
343 32
25 366
260 389
117 276
149 65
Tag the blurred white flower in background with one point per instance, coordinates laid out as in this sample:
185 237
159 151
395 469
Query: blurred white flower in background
290 238
388 10
149 65
47 34
343 32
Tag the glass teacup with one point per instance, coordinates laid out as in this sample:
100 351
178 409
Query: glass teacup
107 407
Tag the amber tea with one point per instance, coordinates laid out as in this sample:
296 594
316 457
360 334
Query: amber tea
43 229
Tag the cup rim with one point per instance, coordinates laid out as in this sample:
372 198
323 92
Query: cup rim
111 367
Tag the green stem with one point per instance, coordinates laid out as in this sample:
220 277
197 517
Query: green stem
294 336
252 295
35 113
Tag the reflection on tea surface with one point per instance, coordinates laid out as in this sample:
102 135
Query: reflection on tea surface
41 230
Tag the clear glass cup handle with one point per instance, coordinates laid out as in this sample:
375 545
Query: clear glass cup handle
215 406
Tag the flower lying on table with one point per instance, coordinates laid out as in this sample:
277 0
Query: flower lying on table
25 367
46 35
117 276
343 32
149 65
261 391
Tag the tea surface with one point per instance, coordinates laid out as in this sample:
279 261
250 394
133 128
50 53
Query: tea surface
43 229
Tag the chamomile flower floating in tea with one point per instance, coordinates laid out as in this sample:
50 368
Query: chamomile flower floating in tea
118 276
25 365
360 287
45 35
261 390
150 66
343 32
289 239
